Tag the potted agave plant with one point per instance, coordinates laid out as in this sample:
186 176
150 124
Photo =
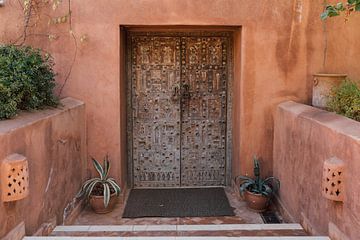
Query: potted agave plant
256 191
102 191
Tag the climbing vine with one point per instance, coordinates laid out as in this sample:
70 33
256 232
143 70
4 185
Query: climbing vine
347 8
52 13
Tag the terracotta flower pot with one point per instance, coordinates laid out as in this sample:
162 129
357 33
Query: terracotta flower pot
97 203
323 84
256 202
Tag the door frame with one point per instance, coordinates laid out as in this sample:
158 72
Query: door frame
181 32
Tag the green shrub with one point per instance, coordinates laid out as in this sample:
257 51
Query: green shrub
26 80
345 100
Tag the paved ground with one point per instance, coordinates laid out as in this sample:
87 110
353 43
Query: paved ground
243 216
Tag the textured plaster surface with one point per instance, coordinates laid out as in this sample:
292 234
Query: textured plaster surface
276 50
53 140
304 138
280 45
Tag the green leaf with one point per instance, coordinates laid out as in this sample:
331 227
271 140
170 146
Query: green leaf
357 7
245 186
115 186
84 187
106 166
106 194
244 178
256 168
98 168
90 188
339 6
324 15
267 190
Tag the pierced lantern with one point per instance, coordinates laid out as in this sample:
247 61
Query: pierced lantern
14 178
333 180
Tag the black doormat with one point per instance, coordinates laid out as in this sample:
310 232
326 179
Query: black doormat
184 202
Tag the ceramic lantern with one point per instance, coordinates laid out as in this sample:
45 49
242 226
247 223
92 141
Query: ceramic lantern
14 178
333 180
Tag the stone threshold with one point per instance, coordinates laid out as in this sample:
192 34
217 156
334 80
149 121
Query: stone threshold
178 238
136 228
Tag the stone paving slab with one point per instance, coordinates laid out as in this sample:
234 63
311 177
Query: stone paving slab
179 238
243 216
222 230
219 227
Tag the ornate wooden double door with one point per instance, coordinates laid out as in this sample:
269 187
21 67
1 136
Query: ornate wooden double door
178 109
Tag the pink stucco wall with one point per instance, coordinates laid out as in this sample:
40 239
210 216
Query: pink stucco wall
304 138
53 141
277 49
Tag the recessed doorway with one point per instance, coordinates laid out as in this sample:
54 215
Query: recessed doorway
179 107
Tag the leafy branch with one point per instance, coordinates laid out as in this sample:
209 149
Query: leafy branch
35 11
335 10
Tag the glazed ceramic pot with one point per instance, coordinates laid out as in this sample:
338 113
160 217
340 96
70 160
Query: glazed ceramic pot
323 84
256 202
97 203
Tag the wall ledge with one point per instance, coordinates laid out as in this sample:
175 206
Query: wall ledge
333 121
25 118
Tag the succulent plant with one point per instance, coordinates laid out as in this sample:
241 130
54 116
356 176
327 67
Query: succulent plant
103 181
257 185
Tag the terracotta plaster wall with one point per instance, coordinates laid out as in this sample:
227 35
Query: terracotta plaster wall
343 45
304 138
277 50
53 141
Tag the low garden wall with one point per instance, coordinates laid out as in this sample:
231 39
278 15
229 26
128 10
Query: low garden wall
53 143
304 138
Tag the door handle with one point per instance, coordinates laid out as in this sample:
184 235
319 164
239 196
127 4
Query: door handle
186 91
176 92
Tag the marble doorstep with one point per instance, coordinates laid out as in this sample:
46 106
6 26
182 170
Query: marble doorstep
177 238
225 230
222 227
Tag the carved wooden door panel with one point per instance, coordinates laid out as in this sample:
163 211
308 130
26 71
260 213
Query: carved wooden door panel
204 83
179 110
156 112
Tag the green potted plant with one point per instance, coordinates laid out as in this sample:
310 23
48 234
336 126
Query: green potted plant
101 192
256 191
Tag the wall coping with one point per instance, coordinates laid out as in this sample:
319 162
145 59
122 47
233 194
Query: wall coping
333 121
25 118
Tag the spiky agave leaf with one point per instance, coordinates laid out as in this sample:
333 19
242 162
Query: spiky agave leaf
106 166
115 186
85 186
245 186
274 182
243 179
267 191
98 168
90 188
256 167
106 194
